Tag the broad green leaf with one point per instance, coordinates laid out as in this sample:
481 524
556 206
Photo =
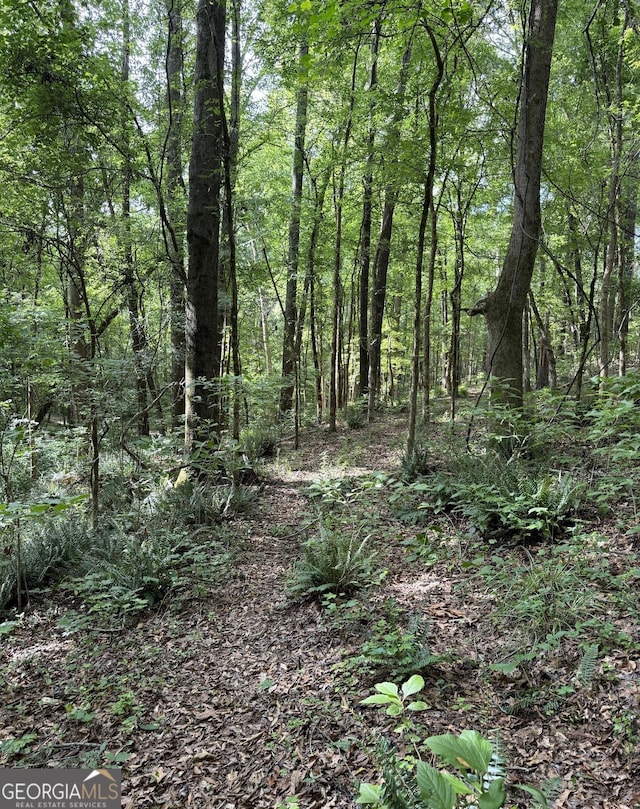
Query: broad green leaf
459 787
378 699
391 689
494 797
369 793
537 794
469 751
418 706
435 790
395 709
412 685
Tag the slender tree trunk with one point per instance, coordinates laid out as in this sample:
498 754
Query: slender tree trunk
427 210
265 334
383 249
290 306
428 306
626 262
503 308
136 323
206 174
176 206
338 198
367 216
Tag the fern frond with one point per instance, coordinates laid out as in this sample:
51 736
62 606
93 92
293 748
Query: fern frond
587 668
497 763
552 788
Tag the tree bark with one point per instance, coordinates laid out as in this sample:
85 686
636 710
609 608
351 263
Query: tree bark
428 210
503 308
175 206
367 216
289 358
202 402
383 249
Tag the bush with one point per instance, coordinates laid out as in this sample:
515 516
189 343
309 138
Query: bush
503 498
416 463
259 442
356 415
333 562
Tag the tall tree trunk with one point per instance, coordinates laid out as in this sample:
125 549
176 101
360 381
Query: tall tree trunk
338 199
367 216
175 205
383 249
503 308
136 323
229 279
290 306
427 210
626 264
202 394
615 109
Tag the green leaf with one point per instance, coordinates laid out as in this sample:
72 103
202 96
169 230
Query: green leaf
7 627
395 709
459 787
504 668
469 751
369 793
537 794
378 699
494 797
412 685
418 706
435 790
390 689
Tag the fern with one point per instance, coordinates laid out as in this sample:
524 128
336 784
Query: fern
552 788
587 668
496 769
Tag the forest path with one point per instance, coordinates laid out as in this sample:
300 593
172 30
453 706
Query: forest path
228 697
251 713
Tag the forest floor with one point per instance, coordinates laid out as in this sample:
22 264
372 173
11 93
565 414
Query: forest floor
239 699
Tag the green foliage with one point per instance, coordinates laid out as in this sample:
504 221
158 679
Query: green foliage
336 561
12 747
475 774
416 463
259 442
356 415
394 699
40 540
395 650
503 498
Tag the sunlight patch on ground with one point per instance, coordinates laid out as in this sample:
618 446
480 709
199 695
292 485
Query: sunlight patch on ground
409 590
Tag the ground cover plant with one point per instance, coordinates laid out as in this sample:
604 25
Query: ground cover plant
175 649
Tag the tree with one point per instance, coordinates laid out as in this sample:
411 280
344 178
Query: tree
504 307
206 174
289 359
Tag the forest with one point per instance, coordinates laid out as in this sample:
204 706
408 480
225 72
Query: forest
320 400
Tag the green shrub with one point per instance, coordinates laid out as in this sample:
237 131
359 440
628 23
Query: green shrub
503 498
416 463
336 561
259 442
356 415
396 651
475 768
